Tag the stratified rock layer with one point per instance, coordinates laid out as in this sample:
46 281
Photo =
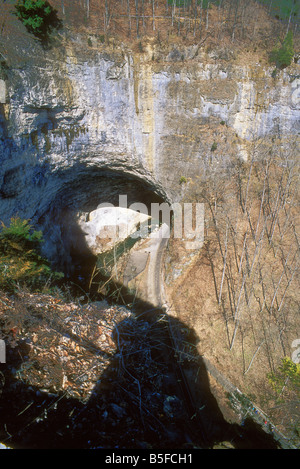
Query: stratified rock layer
81 126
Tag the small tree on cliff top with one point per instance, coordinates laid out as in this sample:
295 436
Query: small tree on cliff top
38 17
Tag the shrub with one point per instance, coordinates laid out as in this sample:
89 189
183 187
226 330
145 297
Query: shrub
287 373
283 56
214 147
38 17
20 259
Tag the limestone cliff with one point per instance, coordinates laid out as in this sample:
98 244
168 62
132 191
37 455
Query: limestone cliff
80 125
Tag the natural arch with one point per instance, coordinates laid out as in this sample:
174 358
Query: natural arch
65 244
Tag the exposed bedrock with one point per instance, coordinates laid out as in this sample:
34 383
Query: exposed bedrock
79 126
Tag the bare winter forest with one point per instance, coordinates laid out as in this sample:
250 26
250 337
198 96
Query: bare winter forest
251 262
241 290
233 21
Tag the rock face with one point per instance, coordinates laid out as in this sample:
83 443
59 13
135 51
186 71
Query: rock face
108 226
81 125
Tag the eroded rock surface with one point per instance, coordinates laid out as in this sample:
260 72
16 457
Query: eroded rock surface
72 114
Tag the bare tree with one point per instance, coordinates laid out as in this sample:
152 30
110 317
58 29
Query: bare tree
129 15
153 15
137 16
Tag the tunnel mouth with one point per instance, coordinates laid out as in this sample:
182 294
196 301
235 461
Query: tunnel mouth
62 223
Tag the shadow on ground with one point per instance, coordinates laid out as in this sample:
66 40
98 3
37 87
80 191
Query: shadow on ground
141 400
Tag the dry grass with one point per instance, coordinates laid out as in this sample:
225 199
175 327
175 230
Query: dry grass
246 310
251 34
